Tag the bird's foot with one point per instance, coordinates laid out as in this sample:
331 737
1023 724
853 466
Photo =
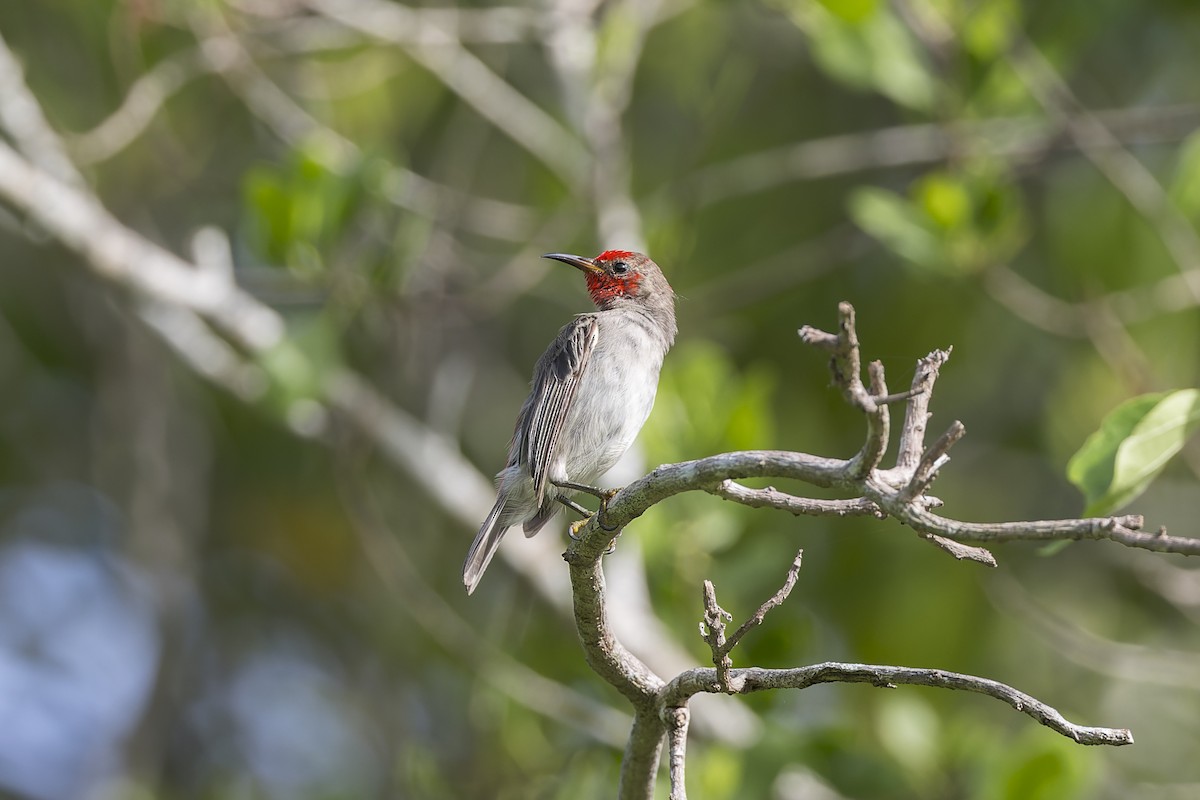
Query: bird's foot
604 495
576 526
603 513
571 504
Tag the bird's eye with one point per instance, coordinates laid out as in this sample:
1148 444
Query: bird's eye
620 268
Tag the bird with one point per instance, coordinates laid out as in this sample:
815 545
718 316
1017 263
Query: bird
591 392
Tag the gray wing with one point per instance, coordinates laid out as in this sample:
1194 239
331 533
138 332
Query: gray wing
556 379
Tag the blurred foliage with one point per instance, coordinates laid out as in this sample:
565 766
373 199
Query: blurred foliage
952 224
196 593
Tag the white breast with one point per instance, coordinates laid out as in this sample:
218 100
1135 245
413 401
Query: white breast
614 398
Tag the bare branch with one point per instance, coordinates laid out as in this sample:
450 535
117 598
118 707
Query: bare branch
671 479
677 730
145 97
757 679
774 601
1121 660
886 489
495 25
639 765
442 53
117 254
1014 138
21 115
879 423
771 497
1120 166
702 474
1121 529
916 414
934 459
713 632
603 651
898 492
846 365
961 552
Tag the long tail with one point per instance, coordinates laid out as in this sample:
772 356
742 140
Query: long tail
484 547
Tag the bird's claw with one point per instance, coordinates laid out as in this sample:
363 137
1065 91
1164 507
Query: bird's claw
603 512
575 527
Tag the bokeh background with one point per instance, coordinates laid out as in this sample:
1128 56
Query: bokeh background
234 572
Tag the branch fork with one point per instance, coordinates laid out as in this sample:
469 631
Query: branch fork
898 492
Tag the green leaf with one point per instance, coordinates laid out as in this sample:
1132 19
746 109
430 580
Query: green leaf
1091 469
865 46
953 223
299 210
1132 446
990 27
945 199
851 10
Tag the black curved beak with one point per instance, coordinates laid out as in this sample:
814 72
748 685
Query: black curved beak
579 262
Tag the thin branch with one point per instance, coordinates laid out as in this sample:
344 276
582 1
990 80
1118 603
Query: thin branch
961 552
702 474
934 459
21 115
774 601
879 422
639 765
671 479
77 220
1121 529
1121 660
472 80
757 679
1106 152
677 731
887 489
770 497
857 507
495 25
143 100
223 54
916 415
846 365
712 630
1014 138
